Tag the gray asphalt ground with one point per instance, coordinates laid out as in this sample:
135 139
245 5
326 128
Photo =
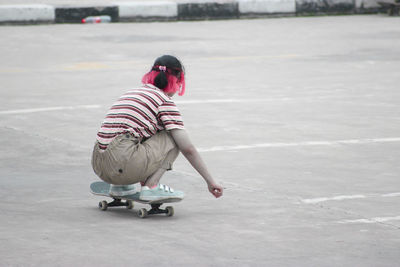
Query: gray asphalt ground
297 117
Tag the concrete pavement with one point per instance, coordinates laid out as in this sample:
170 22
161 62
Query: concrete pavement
297 117
73 11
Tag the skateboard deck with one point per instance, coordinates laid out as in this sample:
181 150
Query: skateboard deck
103 188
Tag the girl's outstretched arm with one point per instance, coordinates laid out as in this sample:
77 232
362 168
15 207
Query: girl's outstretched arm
190 152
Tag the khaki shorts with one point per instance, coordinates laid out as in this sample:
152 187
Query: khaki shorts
127 160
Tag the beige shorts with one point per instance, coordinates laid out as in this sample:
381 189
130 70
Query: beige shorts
127 160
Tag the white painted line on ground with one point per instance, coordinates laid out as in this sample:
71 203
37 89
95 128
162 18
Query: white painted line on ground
33 110
232 100
344 197
397 194
253 100
183 102
298 144
372 220
323 199
206 101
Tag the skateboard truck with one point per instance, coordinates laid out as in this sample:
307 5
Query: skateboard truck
155 209
103 205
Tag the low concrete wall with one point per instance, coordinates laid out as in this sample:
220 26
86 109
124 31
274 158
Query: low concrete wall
324 6
76 14
160 10
26 14
212 10
168 10
248 7
362 6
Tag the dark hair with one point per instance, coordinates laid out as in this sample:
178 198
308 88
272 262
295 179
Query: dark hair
167 74
174 67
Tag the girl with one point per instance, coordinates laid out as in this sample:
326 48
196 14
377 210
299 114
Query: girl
142 135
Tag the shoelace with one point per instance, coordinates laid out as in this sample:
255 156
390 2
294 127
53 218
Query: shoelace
166 188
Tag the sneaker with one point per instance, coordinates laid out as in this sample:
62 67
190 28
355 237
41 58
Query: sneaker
122 190
160 192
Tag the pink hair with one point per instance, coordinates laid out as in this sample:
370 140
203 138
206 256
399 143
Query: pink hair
174 84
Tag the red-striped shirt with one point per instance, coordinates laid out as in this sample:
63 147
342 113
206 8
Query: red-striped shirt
141 112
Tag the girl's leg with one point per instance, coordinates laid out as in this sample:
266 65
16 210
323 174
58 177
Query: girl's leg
152 190
154 179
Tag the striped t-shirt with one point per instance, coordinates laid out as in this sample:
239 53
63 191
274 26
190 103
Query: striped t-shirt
141 112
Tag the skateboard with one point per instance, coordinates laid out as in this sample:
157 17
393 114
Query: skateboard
103 188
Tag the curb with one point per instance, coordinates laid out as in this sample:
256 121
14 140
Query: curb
27 14
172 11
148 11
200 11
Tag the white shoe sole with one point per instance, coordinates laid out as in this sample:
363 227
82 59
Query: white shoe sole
163 198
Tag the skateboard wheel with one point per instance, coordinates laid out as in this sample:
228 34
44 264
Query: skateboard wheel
103 205
142 213
170 211
129 205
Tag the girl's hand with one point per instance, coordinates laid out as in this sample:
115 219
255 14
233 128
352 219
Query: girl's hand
216 190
